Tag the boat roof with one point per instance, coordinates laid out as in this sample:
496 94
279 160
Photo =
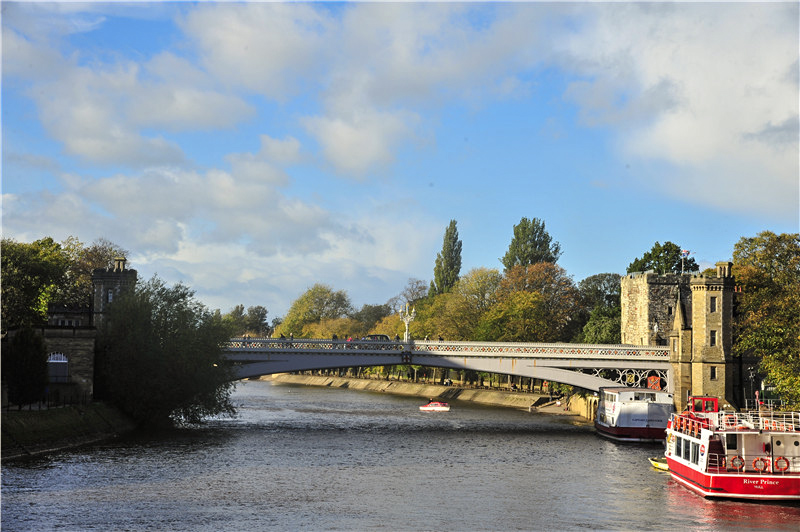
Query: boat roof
618 389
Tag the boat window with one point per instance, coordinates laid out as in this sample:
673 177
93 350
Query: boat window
695 452
678 446
686 447
730 441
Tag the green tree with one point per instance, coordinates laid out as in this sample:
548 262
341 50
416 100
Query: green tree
24 366
767 323
604 326
663 259
601 298
320 302
256 320
530 244
560 298
162 356
448 262
520 317
369 315
32 275
77 289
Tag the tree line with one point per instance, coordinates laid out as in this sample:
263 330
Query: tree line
531 299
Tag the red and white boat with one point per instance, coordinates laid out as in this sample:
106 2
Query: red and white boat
745 455
633 414
435 406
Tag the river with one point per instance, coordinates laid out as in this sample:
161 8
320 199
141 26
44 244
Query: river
304 458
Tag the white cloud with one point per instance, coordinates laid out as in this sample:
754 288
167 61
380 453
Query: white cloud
685 85
266 47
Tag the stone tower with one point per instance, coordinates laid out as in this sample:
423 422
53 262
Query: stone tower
107 284
693 314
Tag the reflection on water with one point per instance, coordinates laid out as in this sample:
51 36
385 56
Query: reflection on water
322 459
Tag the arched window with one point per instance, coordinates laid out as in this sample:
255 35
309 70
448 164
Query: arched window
58 367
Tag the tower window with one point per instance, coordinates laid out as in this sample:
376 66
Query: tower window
713 304
712 341
713 373
110 296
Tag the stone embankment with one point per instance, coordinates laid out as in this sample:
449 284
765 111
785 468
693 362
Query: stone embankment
31 432
574 406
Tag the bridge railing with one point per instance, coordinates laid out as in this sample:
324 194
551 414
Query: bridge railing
421 347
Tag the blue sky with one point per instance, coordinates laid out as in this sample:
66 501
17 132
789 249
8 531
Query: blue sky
251 150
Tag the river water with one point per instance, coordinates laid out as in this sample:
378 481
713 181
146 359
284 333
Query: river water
303 458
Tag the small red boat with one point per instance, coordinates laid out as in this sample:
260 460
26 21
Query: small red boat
745 455
435 406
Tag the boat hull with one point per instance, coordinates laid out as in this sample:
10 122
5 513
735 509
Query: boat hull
631 434
736 485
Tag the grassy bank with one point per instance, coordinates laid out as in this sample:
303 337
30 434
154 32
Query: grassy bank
32 432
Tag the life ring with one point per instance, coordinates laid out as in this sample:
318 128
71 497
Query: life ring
729 421
784 464
760 464
737 462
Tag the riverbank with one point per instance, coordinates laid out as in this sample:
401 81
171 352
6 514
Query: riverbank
31 432
533 402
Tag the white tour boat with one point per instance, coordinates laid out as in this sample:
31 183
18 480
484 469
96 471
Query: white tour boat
633 414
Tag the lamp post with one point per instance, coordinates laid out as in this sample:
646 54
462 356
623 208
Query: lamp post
407 318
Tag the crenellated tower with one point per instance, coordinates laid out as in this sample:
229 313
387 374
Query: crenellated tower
693 314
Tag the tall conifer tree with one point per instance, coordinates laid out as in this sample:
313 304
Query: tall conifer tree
448 262
531 244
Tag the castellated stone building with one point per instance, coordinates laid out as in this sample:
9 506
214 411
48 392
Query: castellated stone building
70 335
693 315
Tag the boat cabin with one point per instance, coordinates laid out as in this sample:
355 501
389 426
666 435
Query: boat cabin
702 404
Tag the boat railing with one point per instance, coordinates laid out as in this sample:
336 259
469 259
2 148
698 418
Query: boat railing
733 464
737 421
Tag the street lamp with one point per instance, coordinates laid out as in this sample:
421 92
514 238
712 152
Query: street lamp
407 318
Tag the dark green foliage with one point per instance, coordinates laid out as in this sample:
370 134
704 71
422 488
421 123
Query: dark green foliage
663 259
448 262
601 297
767 269
24 366
369 315
603 327
530 244
253 322
162 354
31 274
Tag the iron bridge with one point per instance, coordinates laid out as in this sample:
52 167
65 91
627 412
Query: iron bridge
583 365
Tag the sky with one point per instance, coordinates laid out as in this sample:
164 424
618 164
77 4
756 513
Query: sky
252 150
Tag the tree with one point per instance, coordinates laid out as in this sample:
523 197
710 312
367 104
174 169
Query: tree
531 244
560 298
448 262
162 356
600 290
520 317
604 326
663 259
369 315
256 321
601 298
77 289
24 366
320 302
31 276
767 323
